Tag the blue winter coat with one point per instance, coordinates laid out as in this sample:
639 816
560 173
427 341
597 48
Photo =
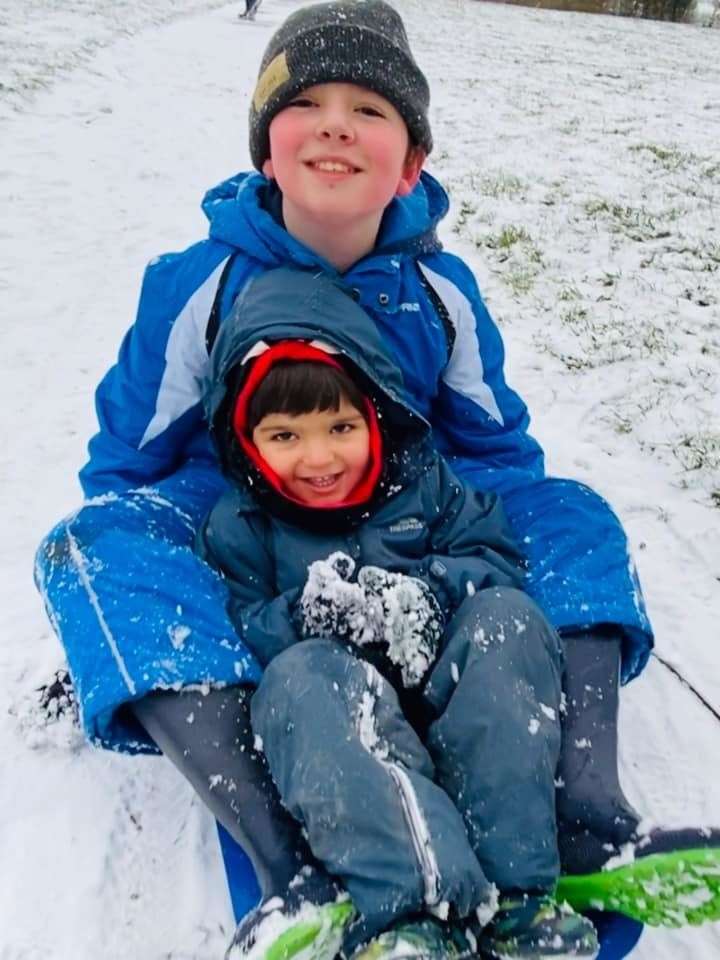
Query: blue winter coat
111 574
422 522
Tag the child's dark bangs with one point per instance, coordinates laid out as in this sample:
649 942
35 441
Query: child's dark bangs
295 388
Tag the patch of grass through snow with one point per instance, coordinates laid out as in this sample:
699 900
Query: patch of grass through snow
670 158
520 260
637 223
500 184
606 337
698 451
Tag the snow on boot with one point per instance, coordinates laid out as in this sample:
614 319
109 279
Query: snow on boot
668 878
420 940
535 927
57 697
309 923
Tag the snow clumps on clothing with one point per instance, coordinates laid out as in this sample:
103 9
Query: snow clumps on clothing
389 609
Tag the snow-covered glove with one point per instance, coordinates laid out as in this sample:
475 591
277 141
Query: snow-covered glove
332 607
404 612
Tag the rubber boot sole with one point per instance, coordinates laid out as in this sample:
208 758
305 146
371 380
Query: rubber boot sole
406 952
543 956
581 951
400 953
663 889
393 945
317 937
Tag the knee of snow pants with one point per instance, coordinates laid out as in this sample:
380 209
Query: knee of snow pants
353 771
580 570
135 610
496 693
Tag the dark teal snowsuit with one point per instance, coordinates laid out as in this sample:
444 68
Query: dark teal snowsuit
407 818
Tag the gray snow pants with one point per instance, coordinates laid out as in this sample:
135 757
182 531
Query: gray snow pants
407 826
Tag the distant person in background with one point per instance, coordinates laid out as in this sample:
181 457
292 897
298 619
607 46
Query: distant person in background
251 8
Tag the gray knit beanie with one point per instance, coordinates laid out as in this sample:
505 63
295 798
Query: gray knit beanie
346 41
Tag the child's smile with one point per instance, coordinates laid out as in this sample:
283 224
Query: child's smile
332 167
324 484
321 456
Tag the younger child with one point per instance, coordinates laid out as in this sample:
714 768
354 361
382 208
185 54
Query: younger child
414 732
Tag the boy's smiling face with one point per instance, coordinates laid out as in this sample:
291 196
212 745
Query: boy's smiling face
339 154
320 456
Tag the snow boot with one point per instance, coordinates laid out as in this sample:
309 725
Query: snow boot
668 878
57 697
536 927
308 922
424 939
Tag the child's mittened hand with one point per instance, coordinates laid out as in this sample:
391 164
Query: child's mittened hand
406 615
340 563
330 606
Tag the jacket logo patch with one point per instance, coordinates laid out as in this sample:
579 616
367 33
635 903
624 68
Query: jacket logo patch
275 74
407 524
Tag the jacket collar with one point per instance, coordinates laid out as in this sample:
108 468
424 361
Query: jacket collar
243 212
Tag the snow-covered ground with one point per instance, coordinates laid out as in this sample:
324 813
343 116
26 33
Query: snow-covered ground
582 157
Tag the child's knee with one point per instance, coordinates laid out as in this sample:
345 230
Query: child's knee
304 672
503 601
72 542
120 522
508 618
497 606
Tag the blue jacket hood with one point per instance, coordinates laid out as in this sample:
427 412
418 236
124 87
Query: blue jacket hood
239 211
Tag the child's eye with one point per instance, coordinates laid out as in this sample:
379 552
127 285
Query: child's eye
370 111
283 436
343 427
301 102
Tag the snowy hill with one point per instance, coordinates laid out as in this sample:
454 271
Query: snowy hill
582 158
